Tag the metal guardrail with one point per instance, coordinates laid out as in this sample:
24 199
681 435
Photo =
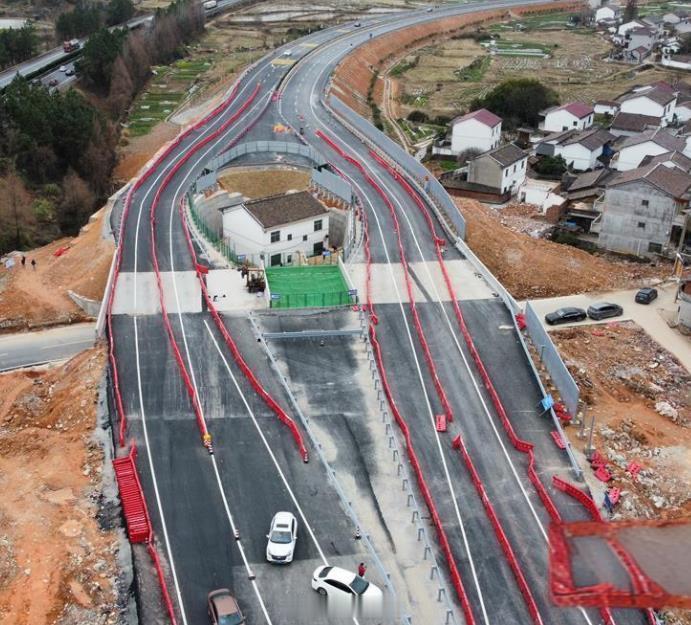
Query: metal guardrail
311 334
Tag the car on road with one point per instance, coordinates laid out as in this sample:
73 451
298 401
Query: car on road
646 295
53 82
63 68
69 71
345 587
604 310
569 314
224 609
282 536
288 53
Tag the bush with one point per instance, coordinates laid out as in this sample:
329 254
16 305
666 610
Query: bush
550 166
418 117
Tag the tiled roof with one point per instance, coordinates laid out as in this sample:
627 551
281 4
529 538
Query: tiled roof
669 180
680 160
589 179
591 139
634 122
659 136
482 115
579 109
276 210
658 94
506 154
607 102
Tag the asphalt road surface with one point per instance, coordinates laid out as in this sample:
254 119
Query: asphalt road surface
197 501
40 347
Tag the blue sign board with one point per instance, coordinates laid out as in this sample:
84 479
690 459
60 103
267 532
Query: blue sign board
275 296
547 402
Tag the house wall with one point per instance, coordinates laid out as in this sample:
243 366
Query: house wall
631 157
246 236
605 109
563 120
578 156
623 212
604 13
645 106
472 134
683 112
485 170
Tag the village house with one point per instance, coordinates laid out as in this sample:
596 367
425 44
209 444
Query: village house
580 149
606 107
576 115
479 130
581 192
676 61
627 26
676 160
502 169
277 228
683 109
606 13
656 101
632 150
630 124
644 211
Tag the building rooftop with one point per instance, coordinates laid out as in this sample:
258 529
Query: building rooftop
660 95
506 154
277 210
578 109
589 179
657 135
591 139
669 180
633 122
678 159
482 115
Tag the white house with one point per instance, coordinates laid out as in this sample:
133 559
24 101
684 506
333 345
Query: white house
606 107
683 110
671 18
278 227
678 61
630 124
540 193
624 28
633 150
580 149
479 130
655 101
502 169
576 115
607 12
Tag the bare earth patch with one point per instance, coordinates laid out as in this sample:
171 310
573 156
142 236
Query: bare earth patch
255 182
57 566
533 268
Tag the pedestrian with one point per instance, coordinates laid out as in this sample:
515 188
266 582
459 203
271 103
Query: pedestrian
361 569
33 263
23 261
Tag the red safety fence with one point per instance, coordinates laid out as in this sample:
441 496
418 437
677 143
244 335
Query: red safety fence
518 443
137 518
401 422
237 355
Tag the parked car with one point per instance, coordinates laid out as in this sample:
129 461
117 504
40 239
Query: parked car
604 310
224 609
63 68
569 314
69 71
53 82
345 587
645 296
282 536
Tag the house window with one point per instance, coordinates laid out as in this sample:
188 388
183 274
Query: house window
645 202
641 224
290 237
506 172
514 169
317 225
275 236
289 259
304 237
655 248
575 123
522 164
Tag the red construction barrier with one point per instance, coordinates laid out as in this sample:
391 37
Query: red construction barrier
137 518
558 439
400 421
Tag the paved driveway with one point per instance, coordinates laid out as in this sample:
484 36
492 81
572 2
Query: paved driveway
649 317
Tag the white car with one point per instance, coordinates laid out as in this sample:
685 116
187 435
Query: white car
342 586
63 68
282 538
287 53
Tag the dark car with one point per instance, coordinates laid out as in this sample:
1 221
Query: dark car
53 82
224 609
565 315
604 310
647 295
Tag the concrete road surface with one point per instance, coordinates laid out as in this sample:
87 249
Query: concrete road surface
34 348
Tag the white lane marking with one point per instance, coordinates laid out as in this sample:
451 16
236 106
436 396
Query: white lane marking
59 345
266 445
159 504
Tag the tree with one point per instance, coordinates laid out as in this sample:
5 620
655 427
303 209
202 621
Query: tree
17 44
685 42
418 117
77 204
467 155
518 101
121 88
98 57
552 166
119 11
16 217
84 19
630 10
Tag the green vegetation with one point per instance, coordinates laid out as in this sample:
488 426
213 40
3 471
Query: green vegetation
506 46
552 166
305 287
17 45
98 57
536 22
518 102
86 18
376 112
404 66
476 70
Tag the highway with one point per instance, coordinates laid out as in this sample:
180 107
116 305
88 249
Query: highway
44 346
198 501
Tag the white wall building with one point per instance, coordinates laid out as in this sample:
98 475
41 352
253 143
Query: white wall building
624 28
655 101
575 115
277 227
633 150
479 130
540 193
606 107
606 12
502 169
580 150
683 110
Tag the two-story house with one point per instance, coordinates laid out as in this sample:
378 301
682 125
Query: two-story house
574 115
580 149
278 227
644 210
502 169
655 101
479 130
632 150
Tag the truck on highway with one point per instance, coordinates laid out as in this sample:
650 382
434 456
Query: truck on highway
210 4
70 46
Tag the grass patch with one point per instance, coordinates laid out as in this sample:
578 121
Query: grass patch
475 71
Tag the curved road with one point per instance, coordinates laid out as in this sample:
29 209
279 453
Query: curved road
198 501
